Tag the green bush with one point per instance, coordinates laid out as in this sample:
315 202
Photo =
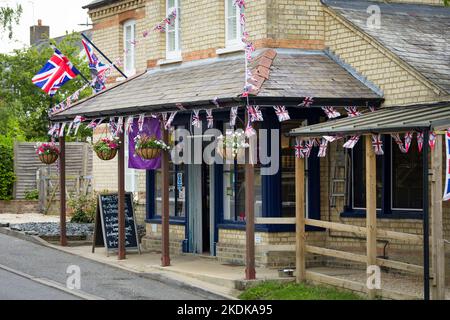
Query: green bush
32 194
7 176
84 208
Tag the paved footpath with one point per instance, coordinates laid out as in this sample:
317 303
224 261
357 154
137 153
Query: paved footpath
96 279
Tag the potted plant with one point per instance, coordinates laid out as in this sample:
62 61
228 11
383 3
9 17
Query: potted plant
149 147
106 148
47 152
232 145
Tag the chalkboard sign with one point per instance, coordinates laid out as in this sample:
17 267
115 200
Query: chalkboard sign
106 231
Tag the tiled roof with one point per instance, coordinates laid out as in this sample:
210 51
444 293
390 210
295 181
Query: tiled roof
417 34
290 74
385 120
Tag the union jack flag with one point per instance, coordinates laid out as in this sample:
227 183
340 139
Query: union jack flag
282 113
61 130
432 140
170 120
351 143
299 148
333 138
98 69
77 122
420 141
331 112
56 72
408 140
216 102
308 147
254 113
307 102
141 122
120 125
93 124
233 116
377 144
323 148
129 125
112 126
240 3
209 118
353 112
196 122
249 130
399 142
53 129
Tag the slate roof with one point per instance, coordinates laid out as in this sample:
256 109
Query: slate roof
290 73
97 3
385 120
417 34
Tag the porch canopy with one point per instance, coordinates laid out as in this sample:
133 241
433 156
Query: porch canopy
386 120
280 77
425 118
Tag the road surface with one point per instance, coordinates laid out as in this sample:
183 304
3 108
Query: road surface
96 279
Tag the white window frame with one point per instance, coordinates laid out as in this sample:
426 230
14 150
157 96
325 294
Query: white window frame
129 71
235 43
130 174
174 54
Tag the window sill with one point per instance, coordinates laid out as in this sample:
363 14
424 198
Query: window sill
163 62
230 49
172 221
413 215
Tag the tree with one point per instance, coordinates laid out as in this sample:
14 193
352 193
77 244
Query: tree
23 106
9 17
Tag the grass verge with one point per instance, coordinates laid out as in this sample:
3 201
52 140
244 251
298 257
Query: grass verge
272 290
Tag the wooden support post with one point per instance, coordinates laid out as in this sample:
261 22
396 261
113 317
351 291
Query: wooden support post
250 272
371 207
121 195
437 235
165 253
62 191
300 219
426 225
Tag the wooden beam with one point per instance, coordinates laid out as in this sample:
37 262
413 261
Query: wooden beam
361 231
412 268
336 254
275 220
426 225
62 192
371 207
437 234
121 195
165 227
300 219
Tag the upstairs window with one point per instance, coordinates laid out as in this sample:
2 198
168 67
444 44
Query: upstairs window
173 39
129 41
233 30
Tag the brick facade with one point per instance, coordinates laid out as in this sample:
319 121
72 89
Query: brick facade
305 24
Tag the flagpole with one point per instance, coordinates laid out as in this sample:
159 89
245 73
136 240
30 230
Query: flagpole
104 56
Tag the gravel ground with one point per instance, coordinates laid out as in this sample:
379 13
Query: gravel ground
51 229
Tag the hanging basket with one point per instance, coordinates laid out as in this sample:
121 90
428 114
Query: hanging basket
148 153
48 158
107 155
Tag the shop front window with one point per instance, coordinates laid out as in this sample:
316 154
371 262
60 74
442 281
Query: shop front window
234 190
288 169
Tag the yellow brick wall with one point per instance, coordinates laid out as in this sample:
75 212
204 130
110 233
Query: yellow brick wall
152 240
399 85
231 248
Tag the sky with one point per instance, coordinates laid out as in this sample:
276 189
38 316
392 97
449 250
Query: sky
60 15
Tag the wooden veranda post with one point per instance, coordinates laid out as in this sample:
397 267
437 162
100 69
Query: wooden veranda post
121 195
62 191
371 207
437 237
165 254
300 219
250 271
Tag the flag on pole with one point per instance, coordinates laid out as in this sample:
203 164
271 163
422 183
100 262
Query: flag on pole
98 69
55 73
447 172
